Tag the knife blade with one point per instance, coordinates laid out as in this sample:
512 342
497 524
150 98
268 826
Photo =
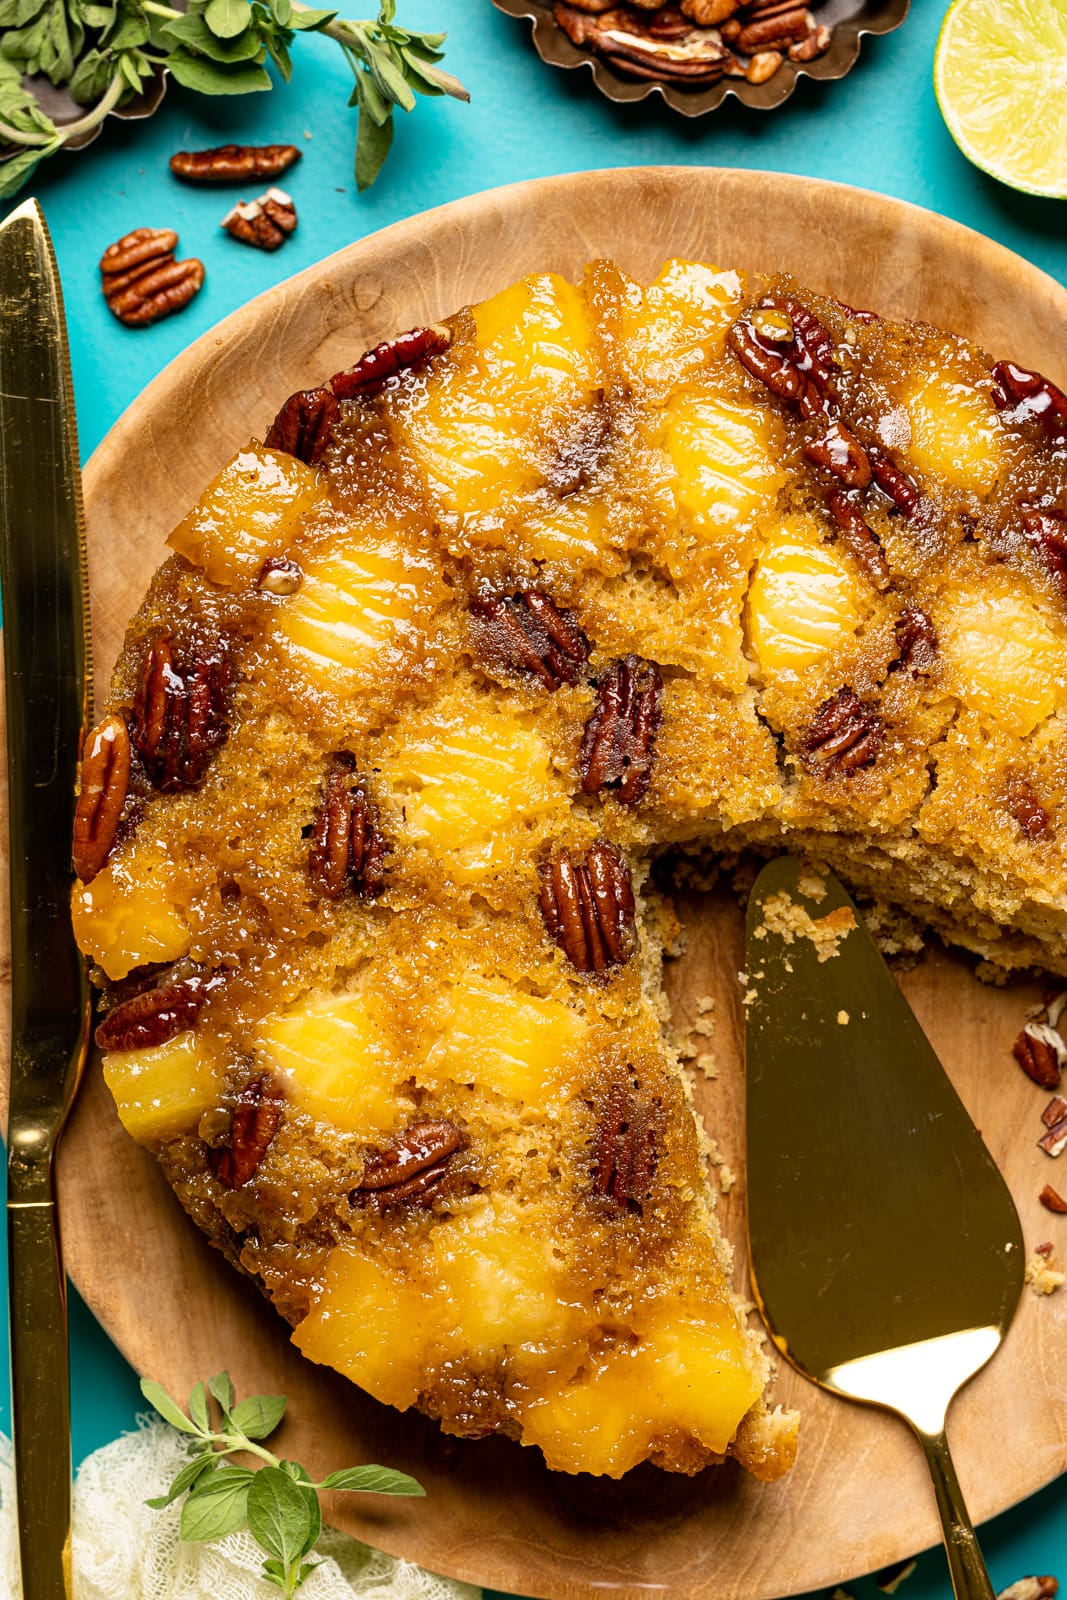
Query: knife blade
46 687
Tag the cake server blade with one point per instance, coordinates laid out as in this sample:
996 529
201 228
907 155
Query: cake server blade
885 1249
46 688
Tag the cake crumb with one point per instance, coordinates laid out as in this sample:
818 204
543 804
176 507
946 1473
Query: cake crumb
811 886
989 972
706 1064
1042 1276
727 1178
842 1017
782 915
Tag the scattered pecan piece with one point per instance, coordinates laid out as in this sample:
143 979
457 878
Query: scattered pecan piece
1028 395
845 735
707 13
895 483
814 45
588 907
1032 1588
142 281
768 362
1020 799
1038 1051
1046 531
302 427
412 1168
181 711
1054 1111
624 1155
618 745
855 314
1054 1142
234 163
916 642
105 778
256 1117
1053 1201
763 65
278 575
527 633
265 223
860 538
375 367
156 1014
840 452
347 845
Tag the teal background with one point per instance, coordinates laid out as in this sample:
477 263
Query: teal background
880 128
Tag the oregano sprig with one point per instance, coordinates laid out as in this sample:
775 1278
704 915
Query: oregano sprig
107 51
277 1502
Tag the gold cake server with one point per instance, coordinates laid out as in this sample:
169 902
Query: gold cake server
46 683
886 1251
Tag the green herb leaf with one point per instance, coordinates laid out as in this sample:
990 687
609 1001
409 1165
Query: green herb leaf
304 21
195 37
91 77
198 1408
216 1504
373 140
222 1388
227 18
373 1480
157 1396
259 1416
192 72
16 169
185 1479
391 81
279 1516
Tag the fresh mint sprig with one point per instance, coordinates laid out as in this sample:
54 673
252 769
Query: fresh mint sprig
107 51
278 1502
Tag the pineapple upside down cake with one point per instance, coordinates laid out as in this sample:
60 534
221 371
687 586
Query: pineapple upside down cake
363 841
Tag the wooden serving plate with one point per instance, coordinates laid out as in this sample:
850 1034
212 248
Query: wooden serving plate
858 1497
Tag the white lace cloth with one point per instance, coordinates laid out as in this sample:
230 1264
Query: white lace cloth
125 1551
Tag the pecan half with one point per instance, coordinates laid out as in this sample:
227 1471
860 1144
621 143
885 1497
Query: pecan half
1055 1111
588 907
234 163
1046 532
775 28
1038 1053
1029 395
895 483
142 281
181 710
105 778
618 745
157 1014
527 633
256 1117
624 1154
413 1167
916 642
1020 799
665 46
845 735
347 846
265 223
857 314
1032 1588
768 361
1053 1202
860 538
375 367
303 426
839 451
813 343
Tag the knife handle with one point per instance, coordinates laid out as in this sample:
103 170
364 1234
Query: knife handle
966 1565
40 1382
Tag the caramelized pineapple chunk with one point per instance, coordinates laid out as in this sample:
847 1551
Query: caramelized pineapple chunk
251 511
474 784
726 457
363 604
514 1044
535 343
335 1062
133 913
955 431
803 602
163 1092
678 324
1003 658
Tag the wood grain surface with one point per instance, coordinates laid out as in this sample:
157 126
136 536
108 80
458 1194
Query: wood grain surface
858 1497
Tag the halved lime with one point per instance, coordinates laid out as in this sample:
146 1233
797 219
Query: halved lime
1000 76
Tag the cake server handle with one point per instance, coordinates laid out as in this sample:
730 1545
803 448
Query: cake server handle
966 1564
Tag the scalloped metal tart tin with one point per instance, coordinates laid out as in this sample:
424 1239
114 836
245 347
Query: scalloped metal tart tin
850 20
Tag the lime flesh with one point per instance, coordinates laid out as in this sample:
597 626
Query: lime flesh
1000 76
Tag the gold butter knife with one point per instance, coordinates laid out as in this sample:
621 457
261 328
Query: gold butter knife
46 683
